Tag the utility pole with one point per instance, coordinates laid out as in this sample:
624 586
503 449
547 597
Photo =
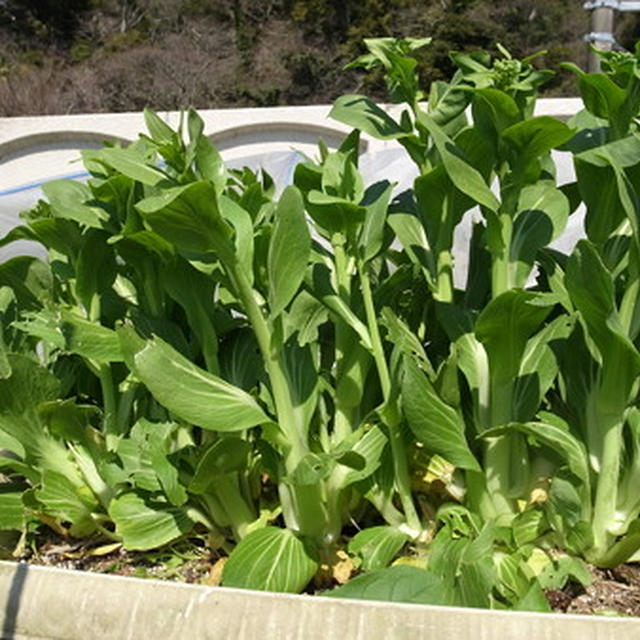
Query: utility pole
602 14
601 35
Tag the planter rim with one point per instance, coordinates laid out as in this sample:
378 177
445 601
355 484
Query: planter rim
49 602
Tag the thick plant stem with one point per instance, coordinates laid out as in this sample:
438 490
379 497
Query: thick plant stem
497 467
307 513
125 406
343 338
279 385
240 514
391 412
499 450
606 498
109 401
502 272
444 283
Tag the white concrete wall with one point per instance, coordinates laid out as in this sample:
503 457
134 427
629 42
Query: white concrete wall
34 150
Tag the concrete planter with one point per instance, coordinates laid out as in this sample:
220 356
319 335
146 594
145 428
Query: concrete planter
41 602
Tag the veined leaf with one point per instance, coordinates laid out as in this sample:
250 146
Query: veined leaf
377 546
70 503
12 514
505 325
538 368
333 213
194 292
412 236
542 215
534 137
289 250
556 438
602 97
493 112
226 455
95 266
145 524
207 158
465 177
591 288
69 199
325 291
305 316
132 165
160 131
72 333
362 113
436 424
191 393
29 278
376 201
270 559
189 217
397 584
312 469
369 447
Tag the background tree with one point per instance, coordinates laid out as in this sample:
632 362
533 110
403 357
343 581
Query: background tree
121 55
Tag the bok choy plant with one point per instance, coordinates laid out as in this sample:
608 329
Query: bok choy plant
294 373
492 327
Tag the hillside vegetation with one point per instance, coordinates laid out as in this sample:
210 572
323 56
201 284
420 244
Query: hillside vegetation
81 56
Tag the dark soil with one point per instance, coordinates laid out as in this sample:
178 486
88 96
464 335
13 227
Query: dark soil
187 562
612 592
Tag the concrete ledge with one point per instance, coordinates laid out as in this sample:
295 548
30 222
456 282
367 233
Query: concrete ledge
41 602
39 148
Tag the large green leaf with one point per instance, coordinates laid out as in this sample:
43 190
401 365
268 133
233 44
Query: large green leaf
505 325
535 137
289 250
463 175
362 113
436 424
189 217
144 524
186 390
270 559
305 317
334 213
607 184
397 584
95 266
601 95
538 368
591 288
376 200
12 514
68 502
70 200
377 546
145 457
226 455
412 236
194 292
241 363
133 165
493 112
29 278
240 220
207 159
72 333
542 215
559 439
